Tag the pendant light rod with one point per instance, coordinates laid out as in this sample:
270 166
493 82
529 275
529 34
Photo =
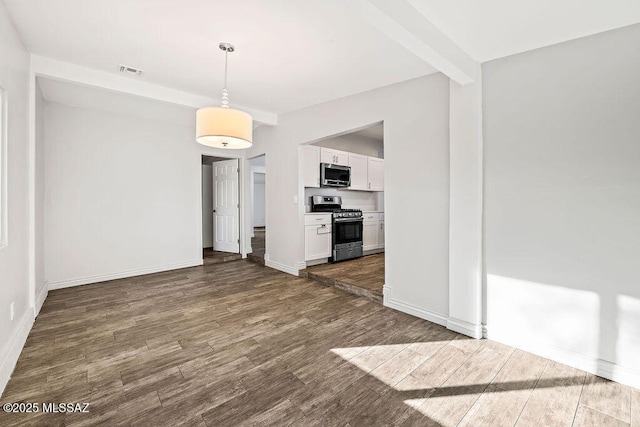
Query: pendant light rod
227 48
224 127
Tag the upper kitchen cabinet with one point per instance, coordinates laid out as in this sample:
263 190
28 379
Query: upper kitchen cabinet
336 157
359 174
375 170
310 158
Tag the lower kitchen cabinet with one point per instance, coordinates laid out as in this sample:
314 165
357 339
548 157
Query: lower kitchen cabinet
317 237
372 231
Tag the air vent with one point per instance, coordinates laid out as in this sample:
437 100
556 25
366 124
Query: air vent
130 70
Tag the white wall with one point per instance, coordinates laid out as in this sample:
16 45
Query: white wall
40 287
14 258
416 126
259 200
123 193
207 206
562 202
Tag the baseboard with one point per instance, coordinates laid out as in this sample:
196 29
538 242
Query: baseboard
121 275
281 267
316 262
373 251
301 265
431 316
42 295
11 353
602 368
464 327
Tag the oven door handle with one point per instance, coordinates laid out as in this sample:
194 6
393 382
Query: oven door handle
348 220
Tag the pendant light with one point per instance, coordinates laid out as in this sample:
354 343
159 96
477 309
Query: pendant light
224 127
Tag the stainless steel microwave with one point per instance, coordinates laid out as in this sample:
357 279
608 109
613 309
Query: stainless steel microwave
334 175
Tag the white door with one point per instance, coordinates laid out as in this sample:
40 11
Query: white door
226 210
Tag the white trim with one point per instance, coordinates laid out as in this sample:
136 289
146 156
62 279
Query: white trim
301 265
40 298
456 325
602 368
431 316
465 328
315 262
9 357
121 275
281 267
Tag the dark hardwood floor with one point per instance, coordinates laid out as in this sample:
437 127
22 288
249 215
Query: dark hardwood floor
239 344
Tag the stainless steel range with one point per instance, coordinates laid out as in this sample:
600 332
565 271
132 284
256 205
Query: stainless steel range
346 227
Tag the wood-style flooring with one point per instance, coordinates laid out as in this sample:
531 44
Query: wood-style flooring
209 256
258 245
361 276
240 344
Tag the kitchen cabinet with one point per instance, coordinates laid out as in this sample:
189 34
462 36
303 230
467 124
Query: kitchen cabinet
372 231
317 236
359 175
336 157
375 173
310 158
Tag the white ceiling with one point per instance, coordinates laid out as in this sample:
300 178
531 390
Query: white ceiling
290 53
373 132
491 29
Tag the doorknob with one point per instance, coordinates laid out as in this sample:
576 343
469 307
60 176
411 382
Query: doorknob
214 211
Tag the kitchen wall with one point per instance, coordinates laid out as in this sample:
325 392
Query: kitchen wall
364 200
562 202
14 178
123 191
416 126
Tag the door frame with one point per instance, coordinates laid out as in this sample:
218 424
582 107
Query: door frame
242 164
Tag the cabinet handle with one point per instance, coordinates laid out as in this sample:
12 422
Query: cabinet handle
369 185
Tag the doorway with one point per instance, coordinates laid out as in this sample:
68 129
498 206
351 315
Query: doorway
220 209
258 208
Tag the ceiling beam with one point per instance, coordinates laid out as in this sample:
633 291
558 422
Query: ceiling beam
402 22
51 68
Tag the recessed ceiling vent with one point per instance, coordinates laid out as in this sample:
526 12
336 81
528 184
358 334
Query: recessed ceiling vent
130 70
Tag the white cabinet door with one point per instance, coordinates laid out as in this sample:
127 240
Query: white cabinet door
317 241
335 157
375 169
310 165
359 176
370 235
342 158
381 235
